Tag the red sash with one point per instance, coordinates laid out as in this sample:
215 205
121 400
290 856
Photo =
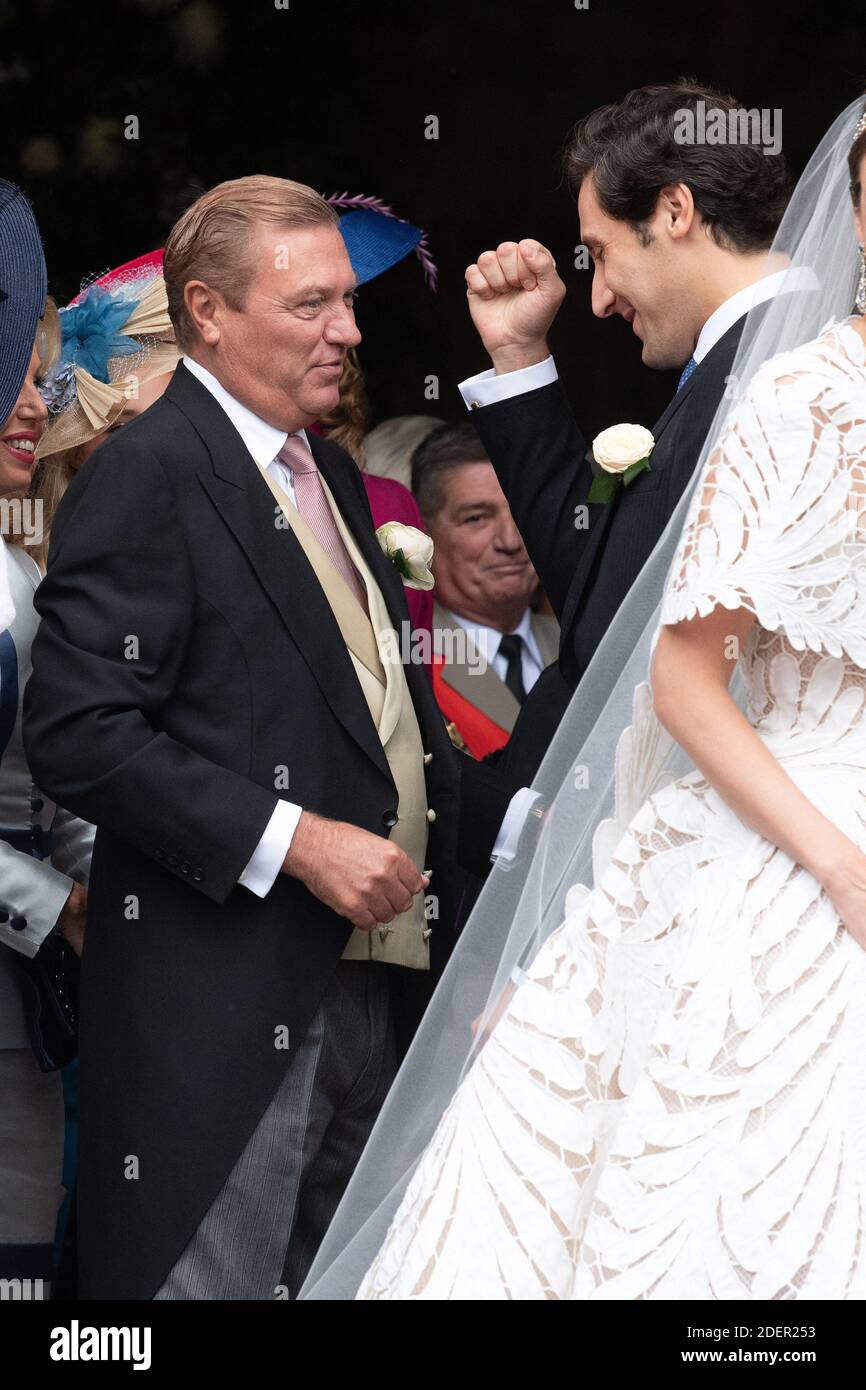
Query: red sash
478 732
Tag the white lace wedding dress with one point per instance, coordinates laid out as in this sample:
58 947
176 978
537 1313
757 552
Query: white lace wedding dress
674 1104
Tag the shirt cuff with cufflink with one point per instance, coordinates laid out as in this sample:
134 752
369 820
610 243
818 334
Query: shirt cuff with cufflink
489 389
508 838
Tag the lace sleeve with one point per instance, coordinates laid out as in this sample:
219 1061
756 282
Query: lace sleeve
774 525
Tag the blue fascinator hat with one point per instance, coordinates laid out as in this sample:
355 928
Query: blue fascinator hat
376 238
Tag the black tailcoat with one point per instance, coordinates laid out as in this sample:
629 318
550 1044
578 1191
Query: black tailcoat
188 671
543 463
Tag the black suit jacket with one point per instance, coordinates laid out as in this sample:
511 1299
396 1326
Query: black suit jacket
543 463
186 660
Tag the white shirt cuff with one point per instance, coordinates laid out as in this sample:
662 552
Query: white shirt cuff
519 807
41 911
267 858
487 388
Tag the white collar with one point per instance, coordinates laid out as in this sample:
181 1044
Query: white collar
486 639
263 441
781 282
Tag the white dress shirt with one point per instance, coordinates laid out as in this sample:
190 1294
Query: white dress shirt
798 277
486 641
264 442
487 389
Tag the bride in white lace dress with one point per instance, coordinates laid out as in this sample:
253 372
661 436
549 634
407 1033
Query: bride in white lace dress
672 1104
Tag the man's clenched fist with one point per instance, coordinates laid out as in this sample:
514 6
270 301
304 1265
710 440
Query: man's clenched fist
514 294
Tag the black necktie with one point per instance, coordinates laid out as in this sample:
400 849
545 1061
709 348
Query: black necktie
511 647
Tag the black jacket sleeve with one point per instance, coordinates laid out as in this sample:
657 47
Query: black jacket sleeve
540 459
117 607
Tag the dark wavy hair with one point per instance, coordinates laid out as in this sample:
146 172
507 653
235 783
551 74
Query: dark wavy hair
632 153
855 155
447 447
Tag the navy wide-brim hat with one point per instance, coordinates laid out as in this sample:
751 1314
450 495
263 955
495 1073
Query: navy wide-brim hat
23 290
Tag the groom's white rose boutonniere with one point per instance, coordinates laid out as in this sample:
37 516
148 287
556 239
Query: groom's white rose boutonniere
623 452
410 551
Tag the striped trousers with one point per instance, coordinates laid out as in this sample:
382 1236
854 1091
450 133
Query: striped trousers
259 1238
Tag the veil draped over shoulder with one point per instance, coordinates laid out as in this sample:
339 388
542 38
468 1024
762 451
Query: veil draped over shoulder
609 754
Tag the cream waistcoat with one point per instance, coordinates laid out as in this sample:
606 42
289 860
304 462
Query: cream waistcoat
372 646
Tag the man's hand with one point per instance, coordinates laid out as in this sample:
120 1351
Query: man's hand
361 876
514 295
72 916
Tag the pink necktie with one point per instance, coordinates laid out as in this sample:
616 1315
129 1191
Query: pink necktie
313 506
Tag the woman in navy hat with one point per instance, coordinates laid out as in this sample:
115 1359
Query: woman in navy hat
44 852
23 291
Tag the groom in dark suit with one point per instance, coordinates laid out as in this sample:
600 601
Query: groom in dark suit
214 686
678 234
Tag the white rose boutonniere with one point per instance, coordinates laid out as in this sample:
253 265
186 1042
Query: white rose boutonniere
410 551
623 452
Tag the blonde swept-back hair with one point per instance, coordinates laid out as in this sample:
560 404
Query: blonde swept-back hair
48 335
211 241
52 478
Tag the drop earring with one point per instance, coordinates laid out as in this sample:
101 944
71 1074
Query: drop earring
860 301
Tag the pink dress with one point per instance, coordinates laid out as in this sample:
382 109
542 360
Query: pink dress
391 501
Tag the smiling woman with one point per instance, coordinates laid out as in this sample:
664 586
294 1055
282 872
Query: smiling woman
21 432
44 852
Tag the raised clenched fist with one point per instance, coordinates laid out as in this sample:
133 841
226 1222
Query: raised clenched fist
514 294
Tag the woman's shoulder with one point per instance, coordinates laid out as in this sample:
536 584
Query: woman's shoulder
24 564
837 354
24 576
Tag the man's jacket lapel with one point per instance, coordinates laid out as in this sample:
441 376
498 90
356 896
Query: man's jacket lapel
351 498
246 505
716 360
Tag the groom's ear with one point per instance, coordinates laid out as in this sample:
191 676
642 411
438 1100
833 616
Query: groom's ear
675 210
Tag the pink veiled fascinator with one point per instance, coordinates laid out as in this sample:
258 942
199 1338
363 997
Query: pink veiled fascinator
116 335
